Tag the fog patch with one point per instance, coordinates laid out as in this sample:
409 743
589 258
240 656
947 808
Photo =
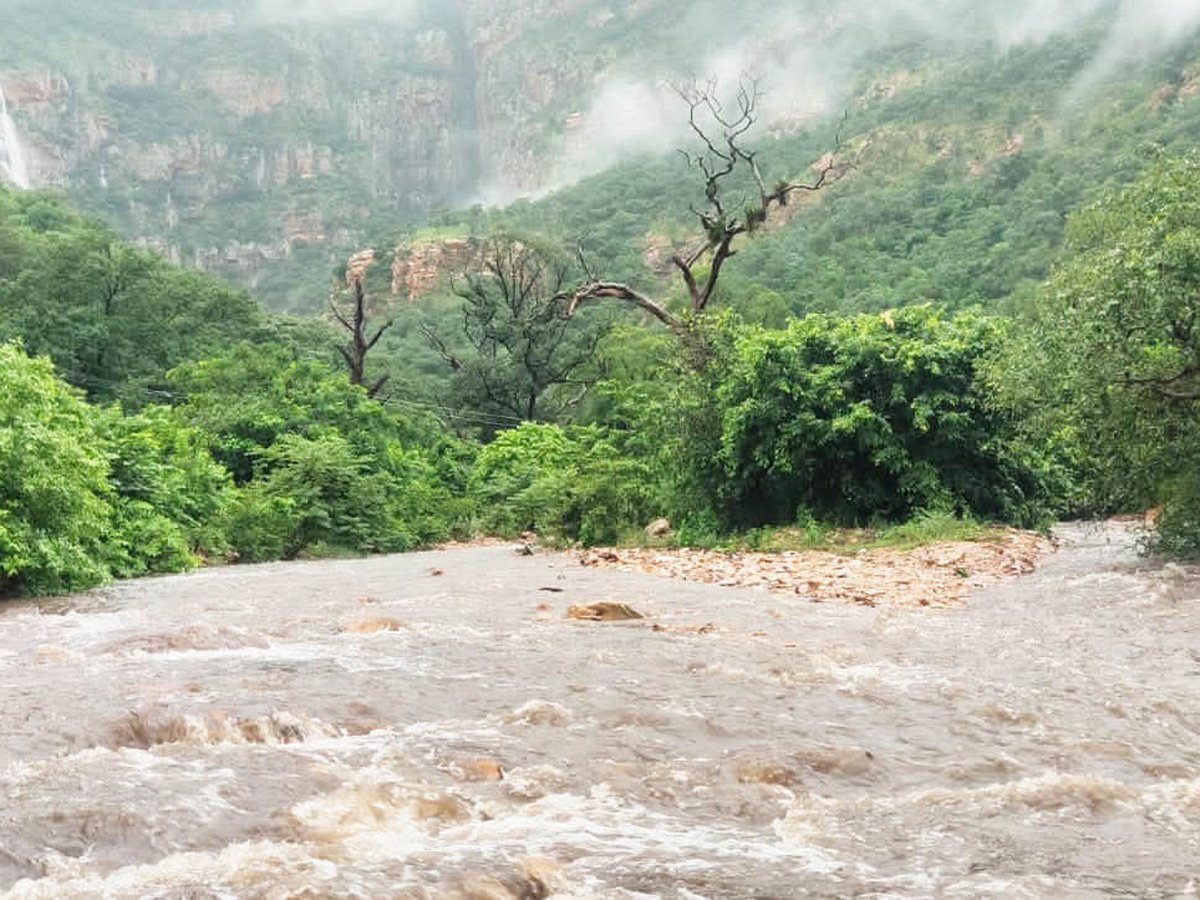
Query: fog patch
283 11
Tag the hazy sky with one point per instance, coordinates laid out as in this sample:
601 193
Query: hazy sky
811 75
805 72
284 10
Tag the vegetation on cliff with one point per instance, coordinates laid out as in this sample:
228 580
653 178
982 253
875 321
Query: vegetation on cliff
986 313
218 446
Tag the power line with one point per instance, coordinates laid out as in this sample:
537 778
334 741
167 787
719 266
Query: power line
473 416
479 417
450 411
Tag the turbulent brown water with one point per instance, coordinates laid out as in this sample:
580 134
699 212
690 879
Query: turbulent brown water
374 729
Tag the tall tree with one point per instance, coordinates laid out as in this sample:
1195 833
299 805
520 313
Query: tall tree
1110 356
524 358
354 320
724 159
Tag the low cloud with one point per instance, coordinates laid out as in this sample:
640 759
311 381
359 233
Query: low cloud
275 11
807 54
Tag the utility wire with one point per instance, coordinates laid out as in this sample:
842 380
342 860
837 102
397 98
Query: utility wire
473 416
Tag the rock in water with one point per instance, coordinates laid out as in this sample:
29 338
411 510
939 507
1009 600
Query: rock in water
658 528
605 611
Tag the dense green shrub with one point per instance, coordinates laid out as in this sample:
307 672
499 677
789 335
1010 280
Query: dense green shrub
1177 529
338 501
168 492
855 420
55 514
88 493
253 394
322 468
574 484
261 526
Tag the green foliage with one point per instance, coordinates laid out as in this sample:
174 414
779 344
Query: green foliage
811 534
507 468
88 493
1177 528
169 493
55 513
338 502
929 527
1108 357
262 526
852 421
322 467
571 484
784 430
252 394
113 318
517 356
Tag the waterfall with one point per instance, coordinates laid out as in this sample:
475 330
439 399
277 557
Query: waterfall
12 159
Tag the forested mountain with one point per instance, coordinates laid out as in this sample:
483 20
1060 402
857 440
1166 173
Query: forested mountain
934 262
268 141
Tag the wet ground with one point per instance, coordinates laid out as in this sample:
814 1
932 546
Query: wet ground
373 728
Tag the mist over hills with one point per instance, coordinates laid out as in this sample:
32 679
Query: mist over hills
267 141
986 312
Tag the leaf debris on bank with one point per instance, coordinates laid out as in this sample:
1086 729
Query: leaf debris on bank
936 575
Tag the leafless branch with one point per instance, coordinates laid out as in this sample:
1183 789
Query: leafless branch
600 290
722 132
439 346
355 351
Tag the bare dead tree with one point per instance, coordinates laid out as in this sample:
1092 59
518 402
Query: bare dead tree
1184 385
527 360
724 154
355 351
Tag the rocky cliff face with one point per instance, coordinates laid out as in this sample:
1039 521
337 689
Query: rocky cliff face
264 145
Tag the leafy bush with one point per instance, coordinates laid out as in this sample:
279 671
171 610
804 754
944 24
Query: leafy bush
852 421
508 467
323 469
1177 529
253 394
338 501
146 542
572 484
55 514
169 493
261 526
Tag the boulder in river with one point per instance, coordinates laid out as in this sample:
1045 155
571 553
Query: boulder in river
658 528
604 611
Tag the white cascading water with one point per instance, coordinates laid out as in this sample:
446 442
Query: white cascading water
12 158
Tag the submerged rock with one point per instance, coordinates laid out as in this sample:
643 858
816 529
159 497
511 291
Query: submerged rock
375 625
604 611
659 528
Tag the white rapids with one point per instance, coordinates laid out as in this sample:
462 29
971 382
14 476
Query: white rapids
377 728
12 156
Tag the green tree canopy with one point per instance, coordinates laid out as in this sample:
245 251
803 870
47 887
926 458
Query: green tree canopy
55 510
868 418
1109 357
113 318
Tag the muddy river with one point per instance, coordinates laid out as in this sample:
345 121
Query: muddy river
431 725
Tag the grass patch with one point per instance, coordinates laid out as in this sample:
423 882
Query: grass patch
923 529
930 528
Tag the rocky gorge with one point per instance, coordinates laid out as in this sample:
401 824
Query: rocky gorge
242 141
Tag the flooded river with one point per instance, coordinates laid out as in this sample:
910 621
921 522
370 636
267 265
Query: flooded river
431 725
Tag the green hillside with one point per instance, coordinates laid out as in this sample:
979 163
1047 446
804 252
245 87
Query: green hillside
267 146
988 314
965 179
